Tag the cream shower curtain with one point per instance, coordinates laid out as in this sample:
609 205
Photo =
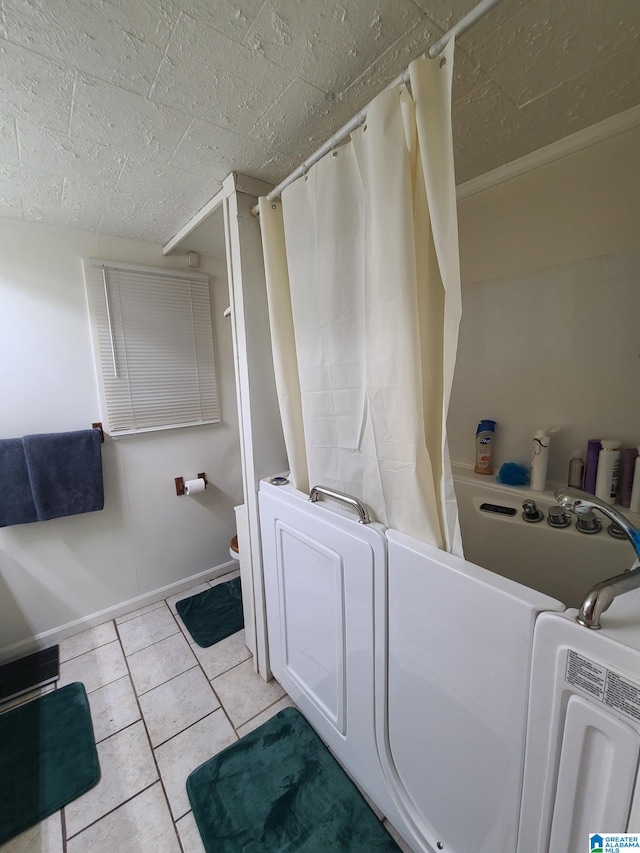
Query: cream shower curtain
363 286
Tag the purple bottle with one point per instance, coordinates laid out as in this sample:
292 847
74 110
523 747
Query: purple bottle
591 465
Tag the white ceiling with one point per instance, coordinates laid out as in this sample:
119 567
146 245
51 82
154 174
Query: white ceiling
123 116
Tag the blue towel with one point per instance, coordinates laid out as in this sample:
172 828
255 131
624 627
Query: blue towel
65 470
16 503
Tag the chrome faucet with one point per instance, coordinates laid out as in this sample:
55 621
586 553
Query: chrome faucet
600 596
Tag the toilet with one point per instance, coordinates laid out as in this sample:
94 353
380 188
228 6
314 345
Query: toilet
234 552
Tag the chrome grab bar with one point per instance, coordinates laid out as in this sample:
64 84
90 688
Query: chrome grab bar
363 512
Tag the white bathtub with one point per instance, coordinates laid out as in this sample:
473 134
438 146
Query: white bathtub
444 687
412 664
562 563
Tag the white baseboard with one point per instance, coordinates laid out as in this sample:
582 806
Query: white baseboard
55 635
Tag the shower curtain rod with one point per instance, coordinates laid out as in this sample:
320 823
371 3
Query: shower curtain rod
464 24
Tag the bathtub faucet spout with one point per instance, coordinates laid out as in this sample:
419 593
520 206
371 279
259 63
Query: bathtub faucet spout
600 596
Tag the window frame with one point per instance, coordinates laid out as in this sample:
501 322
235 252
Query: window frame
106 359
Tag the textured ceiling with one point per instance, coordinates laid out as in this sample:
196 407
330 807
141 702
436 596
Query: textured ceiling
123 116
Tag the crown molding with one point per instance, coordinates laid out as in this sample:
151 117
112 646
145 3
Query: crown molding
606 129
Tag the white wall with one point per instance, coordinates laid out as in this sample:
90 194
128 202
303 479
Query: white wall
57 572
551 306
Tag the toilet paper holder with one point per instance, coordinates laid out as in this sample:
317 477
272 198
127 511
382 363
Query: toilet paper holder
179 481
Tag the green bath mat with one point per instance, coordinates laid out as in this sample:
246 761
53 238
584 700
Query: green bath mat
279 789
214 614
48 757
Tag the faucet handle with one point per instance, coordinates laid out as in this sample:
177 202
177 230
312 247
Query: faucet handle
558 517
588 522
531 512
616 531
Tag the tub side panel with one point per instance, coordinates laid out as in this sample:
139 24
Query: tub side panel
583 739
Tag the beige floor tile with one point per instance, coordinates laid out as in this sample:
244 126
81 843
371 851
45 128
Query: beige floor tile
160 662
223 655
185 631
183 753
87 640
190 834
143 825
113 707
95 668
144 631
127 767
127 617
259 719
243 693
44 837
177 704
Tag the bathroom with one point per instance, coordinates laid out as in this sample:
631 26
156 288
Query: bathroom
549 259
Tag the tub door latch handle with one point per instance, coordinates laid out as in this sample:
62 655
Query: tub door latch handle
360 508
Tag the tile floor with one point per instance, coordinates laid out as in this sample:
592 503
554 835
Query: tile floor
160 707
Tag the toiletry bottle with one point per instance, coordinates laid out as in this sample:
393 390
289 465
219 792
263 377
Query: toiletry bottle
608 470
594 446
629 456
576 470
540 459
484 439
634 506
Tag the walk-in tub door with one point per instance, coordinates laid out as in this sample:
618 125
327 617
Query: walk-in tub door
321 568
453 716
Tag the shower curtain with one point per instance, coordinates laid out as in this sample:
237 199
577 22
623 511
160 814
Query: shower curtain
363 286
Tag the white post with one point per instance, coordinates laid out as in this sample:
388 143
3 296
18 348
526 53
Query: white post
261 439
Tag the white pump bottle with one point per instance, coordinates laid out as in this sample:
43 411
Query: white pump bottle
608 470
540 459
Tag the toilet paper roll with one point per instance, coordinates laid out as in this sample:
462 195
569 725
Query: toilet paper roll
194 487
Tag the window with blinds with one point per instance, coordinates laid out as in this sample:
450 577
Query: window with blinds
153 344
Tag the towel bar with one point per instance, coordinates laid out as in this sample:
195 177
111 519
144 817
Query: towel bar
98 426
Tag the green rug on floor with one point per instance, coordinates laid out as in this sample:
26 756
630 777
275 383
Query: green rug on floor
214 614
48 757
279 789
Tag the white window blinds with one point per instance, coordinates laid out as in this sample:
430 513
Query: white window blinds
153 343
